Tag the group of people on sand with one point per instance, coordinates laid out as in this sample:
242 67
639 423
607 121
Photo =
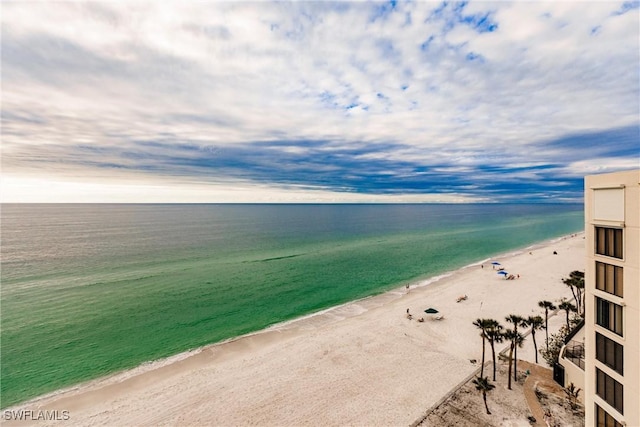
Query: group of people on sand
410 316
507 277
421 319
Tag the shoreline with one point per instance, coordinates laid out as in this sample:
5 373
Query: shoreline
279 333
396 291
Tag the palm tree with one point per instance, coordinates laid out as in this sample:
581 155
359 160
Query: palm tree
516 339
576 283
517 321
482 324
494 335
567 307
483 385
547 305
536 322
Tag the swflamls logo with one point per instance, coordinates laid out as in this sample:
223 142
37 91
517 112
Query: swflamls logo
39 415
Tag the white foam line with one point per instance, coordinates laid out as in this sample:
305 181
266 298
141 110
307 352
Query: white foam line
431 280
117 377
534 246
281 325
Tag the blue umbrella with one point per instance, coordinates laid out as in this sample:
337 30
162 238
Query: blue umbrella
503 272
496 263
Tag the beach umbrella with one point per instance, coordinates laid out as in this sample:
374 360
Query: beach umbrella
431 311
503 272
496 263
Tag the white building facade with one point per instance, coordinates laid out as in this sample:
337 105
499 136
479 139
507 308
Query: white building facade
612 300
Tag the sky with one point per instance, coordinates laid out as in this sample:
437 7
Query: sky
316 101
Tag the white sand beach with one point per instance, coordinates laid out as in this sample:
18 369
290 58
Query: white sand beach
363 363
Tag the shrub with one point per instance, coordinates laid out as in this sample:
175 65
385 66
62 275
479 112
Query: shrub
556 341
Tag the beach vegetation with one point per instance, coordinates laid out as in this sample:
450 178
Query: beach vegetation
516 321
547 305
572 393
494 335
483 385
535 322
575 281
552 352
516 339
557 340
483 325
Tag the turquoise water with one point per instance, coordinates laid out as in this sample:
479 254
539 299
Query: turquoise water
92 289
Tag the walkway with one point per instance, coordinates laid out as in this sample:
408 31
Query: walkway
542 378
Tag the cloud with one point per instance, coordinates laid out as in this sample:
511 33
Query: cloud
366 168
475 100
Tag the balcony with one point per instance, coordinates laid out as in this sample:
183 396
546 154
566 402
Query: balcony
574 352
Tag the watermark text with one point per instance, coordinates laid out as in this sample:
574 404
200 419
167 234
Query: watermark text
36 415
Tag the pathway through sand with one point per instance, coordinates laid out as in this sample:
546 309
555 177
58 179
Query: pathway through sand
537 376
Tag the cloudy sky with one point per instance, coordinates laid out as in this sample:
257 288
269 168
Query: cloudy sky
316 101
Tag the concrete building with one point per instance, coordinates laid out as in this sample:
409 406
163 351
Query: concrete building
612 300
572 361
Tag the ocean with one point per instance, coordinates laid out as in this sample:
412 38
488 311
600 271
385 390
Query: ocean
91 289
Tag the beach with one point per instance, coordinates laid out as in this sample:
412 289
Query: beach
362 363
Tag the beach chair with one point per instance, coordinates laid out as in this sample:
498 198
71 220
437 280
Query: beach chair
440 317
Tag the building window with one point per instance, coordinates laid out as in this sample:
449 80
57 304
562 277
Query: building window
610 353
609 278
609 315
609 242
603 419
609 389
